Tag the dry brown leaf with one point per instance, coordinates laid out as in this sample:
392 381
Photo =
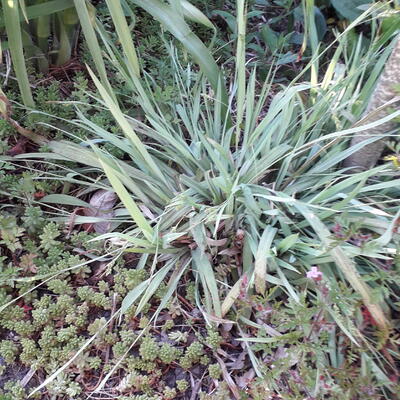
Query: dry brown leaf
238 362
28 377
217 243
228 379
244 380
146 211
233 251
102 203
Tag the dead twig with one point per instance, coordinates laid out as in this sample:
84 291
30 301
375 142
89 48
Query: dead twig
6 115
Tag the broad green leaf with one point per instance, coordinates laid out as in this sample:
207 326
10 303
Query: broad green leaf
270 38
124 34
350 9
229 19
87 23
194 14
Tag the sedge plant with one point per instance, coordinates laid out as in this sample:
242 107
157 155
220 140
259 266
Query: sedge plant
215 176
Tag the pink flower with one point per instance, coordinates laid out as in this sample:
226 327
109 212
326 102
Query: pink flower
315 274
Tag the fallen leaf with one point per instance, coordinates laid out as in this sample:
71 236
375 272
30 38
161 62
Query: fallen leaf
102 203
39 195
19 148
244 380
228 379
217 243
25 380
5 108
238 363
230 252
146 211
27 262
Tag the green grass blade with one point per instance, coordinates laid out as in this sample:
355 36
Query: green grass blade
124 35
207 278
176 24
87 23
311 35
194 14
205 272
43 9
128 130
128 202
13 28
240 68
153 284
133 295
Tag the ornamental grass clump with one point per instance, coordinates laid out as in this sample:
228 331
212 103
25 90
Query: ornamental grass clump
265 181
